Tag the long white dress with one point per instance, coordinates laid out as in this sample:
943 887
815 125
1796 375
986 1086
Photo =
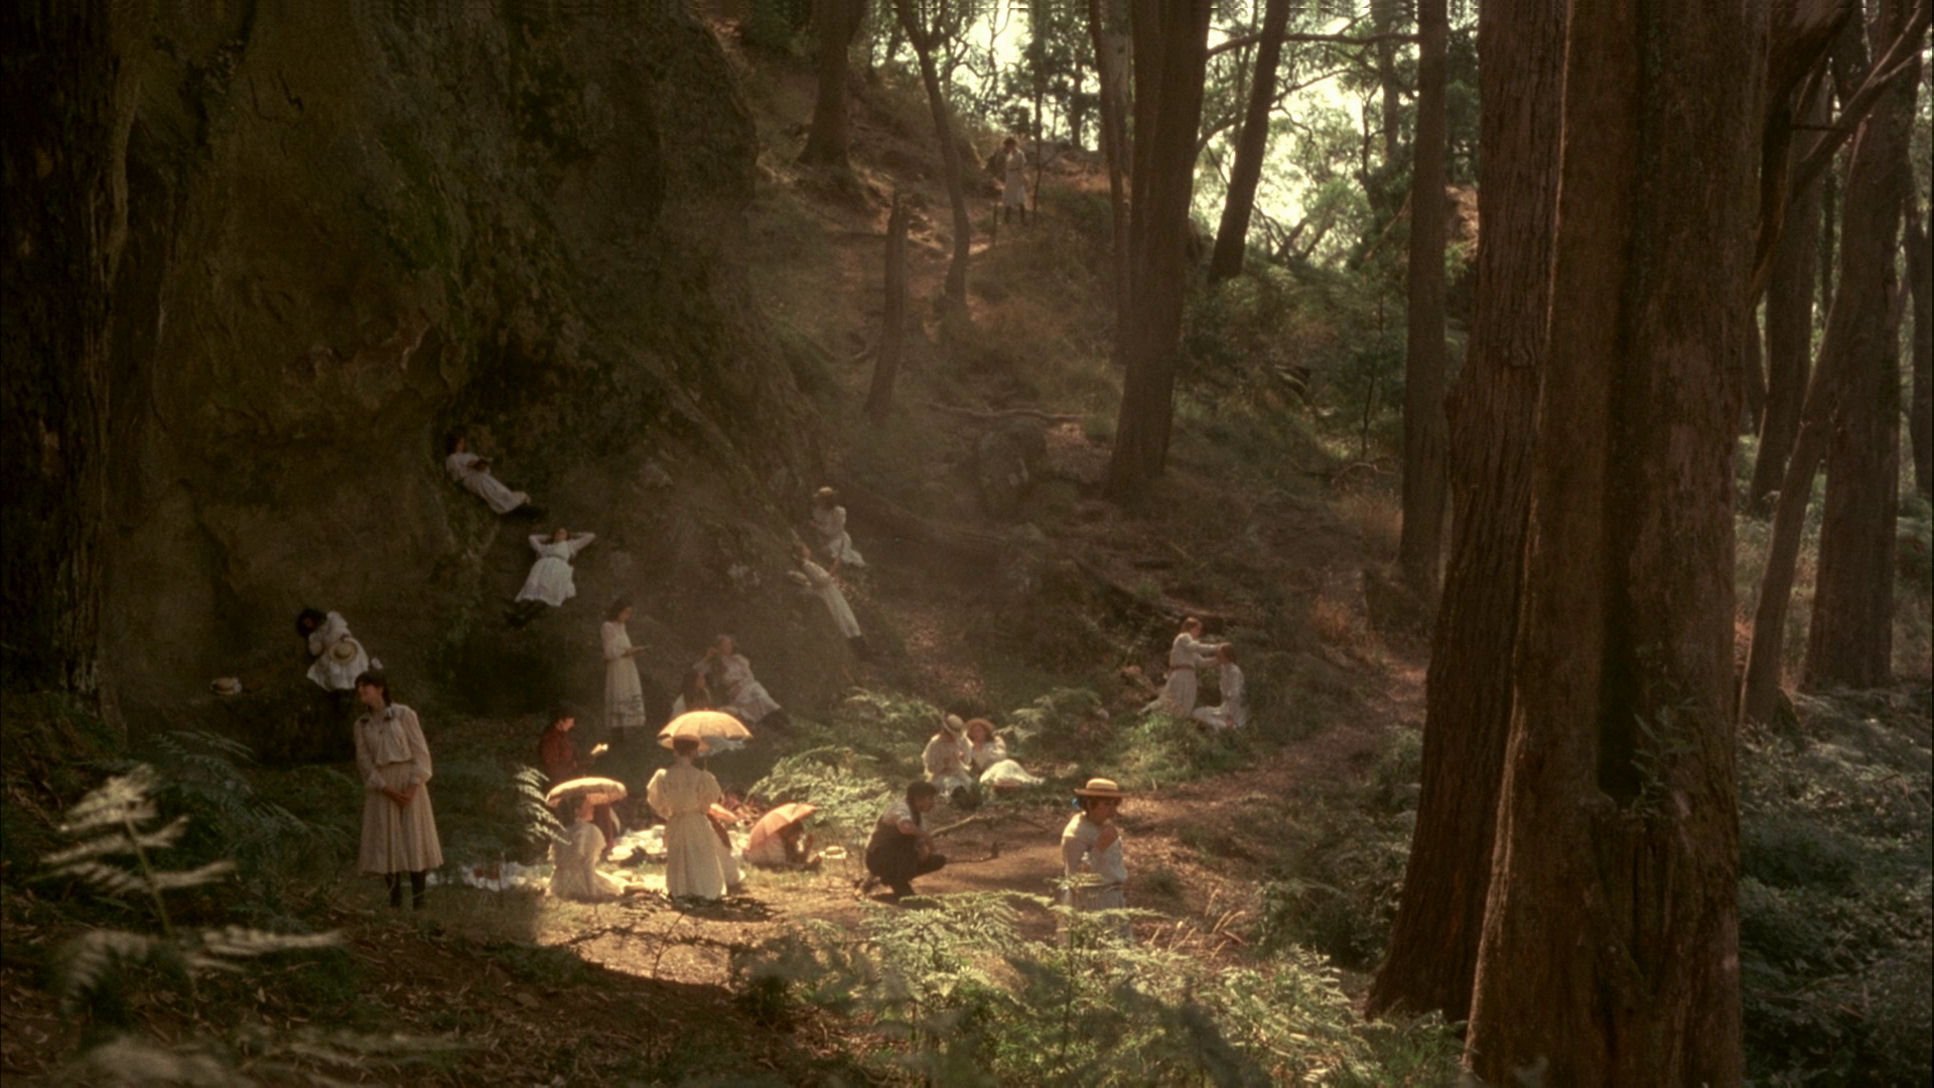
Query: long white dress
462 468
1232 712
1080 858
947 759
695 866
1185 655
1014 169
744 697
550 578
391 754
329 673
834 540
823 585
574 872
624 696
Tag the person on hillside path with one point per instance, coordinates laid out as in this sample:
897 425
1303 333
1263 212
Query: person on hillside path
1013 163
393 762
948 758
1233 711
683 795
550 581
624 693
1092 865
743 696
900 848
819 582
1185 654
473 472
829 523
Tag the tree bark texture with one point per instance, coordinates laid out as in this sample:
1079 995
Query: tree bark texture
1610 947
1111 58
1232 234
1850 641
924 42
893 316
1420 547
835 21
63 160
1170 41
1920 412
1789 334
1432 957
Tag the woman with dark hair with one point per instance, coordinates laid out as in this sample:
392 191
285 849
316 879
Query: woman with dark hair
624 695
338 658
393 761
473 472
900 848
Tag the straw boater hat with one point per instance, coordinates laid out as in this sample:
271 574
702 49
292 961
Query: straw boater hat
1101 787
226 685
345 650
825 493
952 724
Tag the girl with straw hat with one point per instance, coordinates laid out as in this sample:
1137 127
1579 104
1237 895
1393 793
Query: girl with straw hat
1091 853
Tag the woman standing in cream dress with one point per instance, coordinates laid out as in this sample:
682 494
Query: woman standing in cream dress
399 829
682 795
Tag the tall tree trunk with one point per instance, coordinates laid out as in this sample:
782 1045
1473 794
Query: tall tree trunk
1432 956
1851 639
1420 548
1752 372
893 316
1610 952
1857 324
1920 411
1232 235
1110 73
1789 333
63 159
1171 53
835 21
924 42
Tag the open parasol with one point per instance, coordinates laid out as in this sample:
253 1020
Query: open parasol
780 817
602 791
705 726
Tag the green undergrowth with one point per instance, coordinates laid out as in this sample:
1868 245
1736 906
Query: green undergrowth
1835 905
955 994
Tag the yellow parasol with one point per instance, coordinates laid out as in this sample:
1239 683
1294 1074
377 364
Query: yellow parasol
602 791
705 726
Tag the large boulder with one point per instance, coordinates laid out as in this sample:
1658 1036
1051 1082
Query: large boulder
348 236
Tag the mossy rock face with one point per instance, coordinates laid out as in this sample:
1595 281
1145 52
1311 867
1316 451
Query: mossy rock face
348 237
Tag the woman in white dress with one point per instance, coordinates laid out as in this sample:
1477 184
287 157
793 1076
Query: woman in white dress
1013 181
399 829
574 862
1185 655
740 692
682 795
948 759
829 521
550 581
819 582
624 696
339 656
1233 711
473 472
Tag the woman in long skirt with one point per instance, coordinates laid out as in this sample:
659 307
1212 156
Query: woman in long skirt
683 795
624 695
1185 655
399 829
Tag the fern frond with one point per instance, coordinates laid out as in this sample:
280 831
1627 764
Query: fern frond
123 799
84 961
236 942
121 843
193 878
128 1060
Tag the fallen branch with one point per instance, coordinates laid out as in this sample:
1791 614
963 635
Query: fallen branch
1003 413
